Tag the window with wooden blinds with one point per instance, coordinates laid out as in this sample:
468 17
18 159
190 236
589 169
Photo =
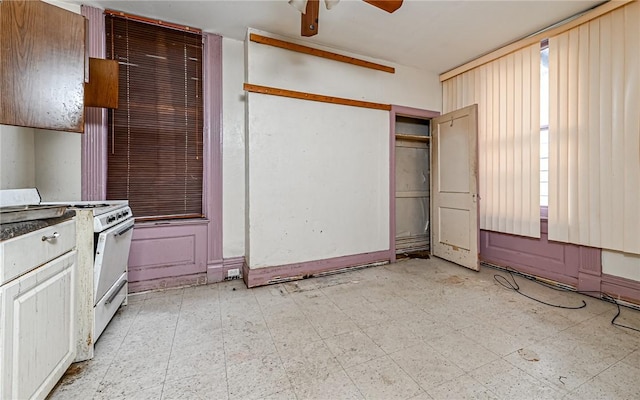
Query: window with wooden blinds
155 136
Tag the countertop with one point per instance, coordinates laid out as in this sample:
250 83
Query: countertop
8 231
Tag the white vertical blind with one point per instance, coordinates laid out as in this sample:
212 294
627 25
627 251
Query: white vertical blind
507 92
594 130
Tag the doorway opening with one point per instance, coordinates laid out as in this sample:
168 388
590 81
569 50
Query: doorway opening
412 148
410 182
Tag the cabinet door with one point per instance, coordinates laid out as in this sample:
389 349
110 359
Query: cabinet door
37 339
41 66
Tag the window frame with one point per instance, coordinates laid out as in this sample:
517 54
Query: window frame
142 25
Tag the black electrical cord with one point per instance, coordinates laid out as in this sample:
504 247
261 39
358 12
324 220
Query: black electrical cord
610 299
504 282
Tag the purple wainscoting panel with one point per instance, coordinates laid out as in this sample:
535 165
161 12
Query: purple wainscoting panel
577 266
553 260
404 112
94 140
212 193
621 288
590 269
263 276
168 252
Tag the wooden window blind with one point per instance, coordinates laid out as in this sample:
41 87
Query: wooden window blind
155 136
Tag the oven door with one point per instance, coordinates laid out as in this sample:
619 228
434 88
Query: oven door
112 254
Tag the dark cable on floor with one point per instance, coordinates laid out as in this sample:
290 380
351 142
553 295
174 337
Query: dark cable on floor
610 299
516 288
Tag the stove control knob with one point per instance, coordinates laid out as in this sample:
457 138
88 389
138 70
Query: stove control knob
111 218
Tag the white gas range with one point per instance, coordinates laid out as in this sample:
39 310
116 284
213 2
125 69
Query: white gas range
104 230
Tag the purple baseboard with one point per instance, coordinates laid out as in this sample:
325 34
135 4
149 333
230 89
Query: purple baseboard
264 276
621 288
218 272
215 273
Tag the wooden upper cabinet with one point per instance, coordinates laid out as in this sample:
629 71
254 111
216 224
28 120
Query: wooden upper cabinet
42 66
102 88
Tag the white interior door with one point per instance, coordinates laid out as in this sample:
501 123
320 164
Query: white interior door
455 233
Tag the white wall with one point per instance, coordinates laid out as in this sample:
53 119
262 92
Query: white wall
319 180
17 157
272 66
58 165
624 265
233 135
318 173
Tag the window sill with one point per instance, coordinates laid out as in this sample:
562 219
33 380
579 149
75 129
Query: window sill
544 213
173 222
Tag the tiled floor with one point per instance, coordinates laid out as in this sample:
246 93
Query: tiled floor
418 329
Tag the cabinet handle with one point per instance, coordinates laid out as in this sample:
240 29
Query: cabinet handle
51 237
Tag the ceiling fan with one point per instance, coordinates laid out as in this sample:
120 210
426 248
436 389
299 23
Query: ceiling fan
311 8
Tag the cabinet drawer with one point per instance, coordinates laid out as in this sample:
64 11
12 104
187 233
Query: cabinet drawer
24 253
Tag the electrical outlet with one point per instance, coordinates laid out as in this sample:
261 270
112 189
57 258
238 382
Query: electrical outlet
233 273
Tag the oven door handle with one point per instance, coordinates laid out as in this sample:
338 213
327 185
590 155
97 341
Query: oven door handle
116 292
125 230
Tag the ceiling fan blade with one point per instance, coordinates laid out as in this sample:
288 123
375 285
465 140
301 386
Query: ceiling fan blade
310 18
386 5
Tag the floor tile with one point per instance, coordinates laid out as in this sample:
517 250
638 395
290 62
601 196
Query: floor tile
331 324
495 339
558 365
428 368
462 351
618 382
308 361
196 360
462 387
353 348
287 394
256 378
392 336
202 386
154 393
292 331
405 330
383 379
126 377
333 386
81 380
509 382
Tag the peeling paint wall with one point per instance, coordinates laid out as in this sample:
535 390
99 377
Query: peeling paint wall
318 173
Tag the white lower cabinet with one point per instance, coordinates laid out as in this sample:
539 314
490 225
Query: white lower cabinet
37 329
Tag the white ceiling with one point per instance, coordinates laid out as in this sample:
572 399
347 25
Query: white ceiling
430 35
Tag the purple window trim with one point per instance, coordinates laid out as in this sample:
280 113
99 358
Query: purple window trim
212 193
94 141
404 112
